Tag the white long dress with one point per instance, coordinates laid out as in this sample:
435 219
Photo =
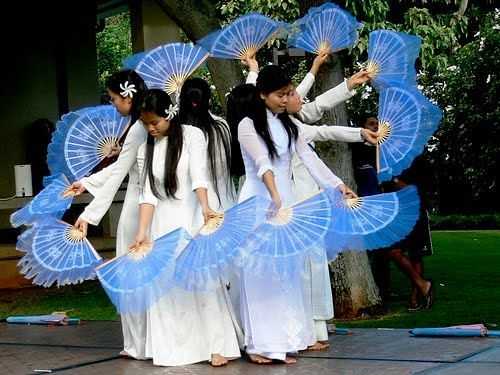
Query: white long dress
317 282
103 185
185 327
317 285
227 198
289 328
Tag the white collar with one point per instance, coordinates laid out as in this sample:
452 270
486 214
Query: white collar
271 114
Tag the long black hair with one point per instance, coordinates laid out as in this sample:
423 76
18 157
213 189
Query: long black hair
247 103
194 102
119 78
158 102
272 78
241 103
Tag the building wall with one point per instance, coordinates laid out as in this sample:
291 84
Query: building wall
50 67
151 27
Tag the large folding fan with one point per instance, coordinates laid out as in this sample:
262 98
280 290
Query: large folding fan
371 222
137 279
242 38
167 67
83 139
131 61
57 252
391 58
276 244
53 200
217 244
407 119
55 155
327 28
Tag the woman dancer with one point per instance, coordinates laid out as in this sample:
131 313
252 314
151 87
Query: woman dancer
125 89
268 139
183 326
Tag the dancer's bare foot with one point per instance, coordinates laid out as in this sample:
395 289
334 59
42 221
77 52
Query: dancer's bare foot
318 346
124 354
218 360
290 360
260 360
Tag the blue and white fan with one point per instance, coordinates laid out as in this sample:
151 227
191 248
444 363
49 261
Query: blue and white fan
391 58
407 120
25 239
131 62
277 245
242 38
217 244
55 156
58 253
53 200
86 138
327 28
136 280
167 67
371 222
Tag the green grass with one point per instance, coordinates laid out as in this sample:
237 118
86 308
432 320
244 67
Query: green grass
465 268
86 301
467 264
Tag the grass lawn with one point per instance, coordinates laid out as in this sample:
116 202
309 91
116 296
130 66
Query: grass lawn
465 268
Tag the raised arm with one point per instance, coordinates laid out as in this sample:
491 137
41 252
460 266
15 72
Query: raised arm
313 111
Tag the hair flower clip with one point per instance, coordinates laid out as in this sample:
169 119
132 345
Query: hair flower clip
171 111
127 90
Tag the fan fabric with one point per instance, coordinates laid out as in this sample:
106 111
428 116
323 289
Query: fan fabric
407 120
216 246
52 200
371 222
168 66
242 38
391 58
56 252
327 28
136 280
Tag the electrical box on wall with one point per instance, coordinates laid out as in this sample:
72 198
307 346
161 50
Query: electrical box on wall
24 185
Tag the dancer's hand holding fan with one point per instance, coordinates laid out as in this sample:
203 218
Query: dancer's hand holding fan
56 252
53 201
407 120
136 280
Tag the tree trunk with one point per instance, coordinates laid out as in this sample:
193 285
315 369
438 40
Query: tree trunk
353 285
198 18
463 7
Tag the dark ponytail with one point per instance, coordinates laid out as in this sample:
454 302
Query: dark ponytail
194 103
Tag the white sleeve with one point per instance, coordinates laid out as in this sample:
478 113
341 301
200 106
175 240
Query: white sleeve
252 78
96 209
96 181
254 146
146 195
323 176
306 84
313 111
198 155
319 133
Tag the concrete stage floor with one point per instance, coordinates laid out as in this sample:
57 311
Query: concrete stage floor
92 348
